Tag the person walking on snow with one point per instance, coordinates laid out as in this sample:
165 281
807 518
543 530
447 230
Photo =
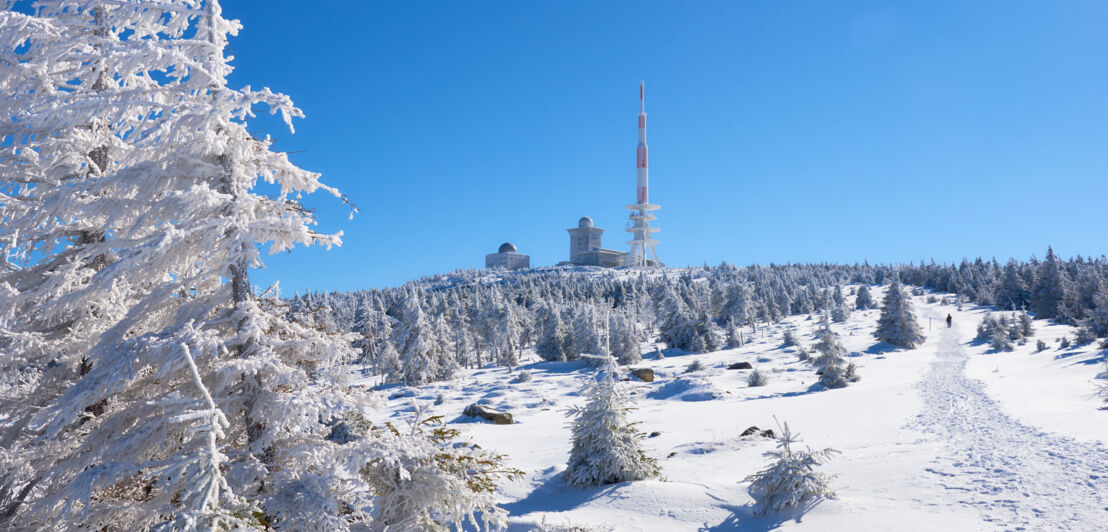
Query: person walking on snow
949 319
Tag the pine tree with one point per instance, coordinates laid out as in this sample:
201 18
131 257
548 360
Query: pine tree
171 394
734 336
1051 286
897 324
678 329
552 335
709 337
792 479
623 339
605 444
863 300
1098 318
1013 292
416 344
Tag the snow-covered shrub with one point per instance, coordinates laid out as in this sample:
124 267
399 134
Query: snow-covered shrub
1026 328
605 443
789 339
1000 341
1064 343
792 479
1040 346
840 313
837 375
1084 336
425 479
756 378
931 299
897 324
523 376
827 341
696 365
802 354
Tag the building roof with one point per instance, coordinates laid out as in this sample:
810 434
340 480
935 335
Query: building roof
585 221
507 247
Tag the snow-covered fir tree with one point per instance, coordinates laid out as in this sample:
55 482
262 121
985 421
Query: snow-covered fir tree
734 336
415 342
170 394
792 480
834 371
1051 286
552 334
897 324
624 343
863 300
678 327
605 442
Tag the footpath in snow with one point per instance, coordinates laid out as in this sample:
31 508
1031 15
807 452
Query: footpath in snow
1018 477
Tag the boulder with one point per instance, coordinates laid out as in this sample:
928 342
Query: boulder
484 412
757 432
654 434
740 365
643 374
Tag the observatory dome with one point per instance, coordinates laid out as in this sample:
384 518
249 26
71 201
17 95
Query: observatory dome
507 247
585 221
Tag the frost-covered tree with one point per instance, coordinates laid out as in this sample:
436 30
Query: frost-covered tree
792 479
552 334
1012 292
863 300
1098 317
789 339
834 371
897 324
424 477
709 337
605 443
734 336
827 342
624 342
678 327
171 395
415 342
756 378
1025 325
589 331
1051 287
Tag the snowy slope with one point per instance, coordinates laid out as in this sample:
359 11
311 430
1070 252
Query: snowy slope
926 445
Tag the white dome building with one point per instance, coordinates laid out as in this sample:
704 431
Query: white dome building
507 257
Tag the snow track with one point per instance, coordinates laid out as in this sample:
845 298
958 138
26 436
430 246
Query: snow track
1018 477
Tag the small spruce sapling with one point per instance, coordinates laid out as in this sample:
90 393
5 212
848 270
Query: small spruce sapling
756 378
897 324
605 444
792 479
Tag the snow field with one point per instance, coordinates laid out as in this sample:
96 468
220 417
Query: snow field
892 470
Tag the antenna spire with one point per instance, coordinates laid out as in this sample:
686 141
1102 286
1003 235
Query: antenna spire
642 98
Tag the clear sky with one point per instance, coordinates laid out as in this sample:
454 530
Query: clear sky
778 131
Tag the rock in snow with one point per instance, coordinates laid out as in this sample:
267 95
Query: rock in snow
740 365
484 412
643 374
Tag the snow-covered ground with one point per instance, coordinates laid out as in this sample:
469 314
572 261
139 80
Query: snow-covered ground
947 436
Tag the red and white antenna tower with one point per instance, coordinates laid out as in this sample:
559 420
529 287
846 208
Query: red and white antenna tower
639 226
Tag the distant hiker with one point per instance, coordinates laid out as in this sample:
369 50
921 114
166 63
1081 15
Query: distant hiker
949 319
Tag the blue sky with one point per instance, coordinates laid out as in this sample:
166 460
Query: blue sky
779 131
